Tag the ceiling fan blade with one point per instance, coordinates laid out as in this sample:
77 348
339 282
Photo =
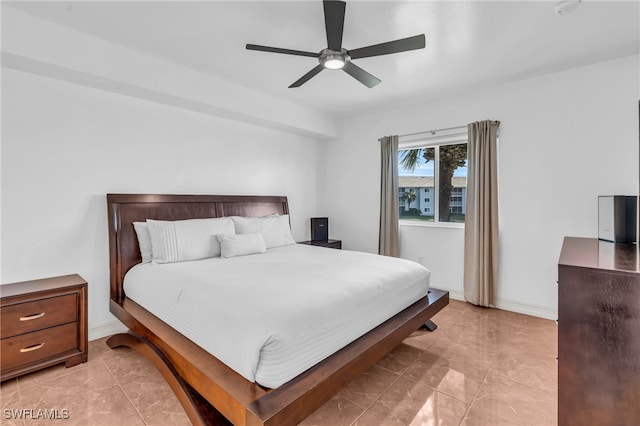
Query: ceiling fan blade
361 75
279 50
307 76
334 23
396 46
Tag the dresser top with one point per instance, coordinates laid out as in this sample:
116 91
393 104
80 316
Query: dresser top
14 289
593 253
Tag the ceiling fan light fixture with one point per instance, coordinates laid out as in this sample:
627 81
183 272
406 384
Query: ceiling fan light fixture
334 63
333 60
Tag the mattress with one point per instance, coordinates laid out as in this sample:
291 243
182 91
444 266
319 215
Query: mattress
272 316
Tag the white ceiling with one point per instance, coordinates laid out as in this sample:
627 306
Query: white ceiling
469 44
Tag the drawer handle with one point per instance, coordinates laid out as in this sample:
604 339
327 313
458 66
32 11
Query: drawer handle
32 348
32 317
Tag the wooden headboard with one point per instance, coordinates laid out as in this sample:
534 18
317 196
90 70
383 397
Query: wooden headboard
124 209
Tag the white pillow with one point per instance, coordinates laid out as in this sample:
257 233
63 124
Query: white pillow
232 245
144 241
183 240
274 229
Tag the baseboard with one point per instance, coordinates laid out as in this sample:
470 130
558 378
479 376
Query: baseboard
527 309
106 329
510 305
454 294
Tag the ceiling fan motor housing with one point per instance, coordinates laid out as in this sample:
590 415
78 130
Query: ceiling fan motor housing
332 59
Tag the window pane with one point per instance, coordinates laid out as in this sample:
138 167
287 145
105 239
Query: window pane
453 182
416 184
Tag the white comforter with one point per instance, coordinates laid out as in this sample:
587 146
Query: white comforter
272 316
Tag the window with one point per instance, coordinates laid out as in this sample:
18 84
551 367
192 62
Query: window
429 164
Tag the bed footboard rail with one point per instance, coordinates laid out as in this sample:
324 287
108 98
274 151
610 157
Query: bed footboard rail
294 401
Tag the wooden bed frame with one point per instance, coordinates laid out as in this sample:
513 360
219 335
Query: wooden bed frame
210 392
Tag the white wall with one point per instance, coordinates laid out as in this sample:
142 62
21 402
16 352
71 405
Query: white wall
565 138
64 146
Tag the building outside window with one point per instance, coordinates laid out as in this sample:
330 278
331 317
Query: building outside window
429 164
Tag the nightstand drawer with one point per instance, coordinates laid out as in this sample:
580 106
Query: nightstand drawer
38 314
39 345
42 323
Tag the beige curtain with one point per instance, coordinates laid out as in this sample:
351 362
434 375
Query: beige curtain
481 221
388 239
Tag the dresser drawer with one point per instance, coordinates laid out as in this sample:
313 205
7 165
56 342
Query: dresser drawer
39 345
38 314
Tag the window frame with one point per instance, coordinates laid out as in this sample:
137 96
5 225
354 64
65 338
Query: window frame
434 141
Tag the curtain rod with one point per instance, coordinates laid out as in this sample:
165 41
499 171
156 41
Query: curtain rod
433 132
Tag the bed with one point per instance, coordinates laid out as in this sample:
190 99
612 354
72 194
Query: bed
210 391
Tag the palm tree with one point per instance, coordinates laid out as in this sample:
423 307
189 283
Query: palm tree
410 197
451 157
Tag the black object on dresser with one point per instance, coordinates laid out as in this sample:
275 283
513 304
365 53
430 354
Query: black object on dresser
43 323
335 244
617 217
598 333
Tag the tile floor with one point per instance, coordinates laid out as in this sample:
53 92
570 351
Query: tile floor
480 367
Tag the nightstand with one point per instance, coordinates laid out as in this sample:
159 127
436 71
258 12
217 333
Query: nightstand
334 244
42 323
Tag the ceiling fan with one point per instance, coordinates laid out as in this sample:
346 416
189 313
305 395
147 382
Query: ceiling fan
337 57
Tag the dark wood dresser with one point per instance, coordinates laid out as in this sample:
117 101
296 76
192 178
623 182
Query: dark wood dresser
598 333
42 323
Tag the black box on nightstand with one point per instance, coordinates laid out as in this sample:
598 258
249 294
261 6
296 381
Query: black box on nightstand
319 228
